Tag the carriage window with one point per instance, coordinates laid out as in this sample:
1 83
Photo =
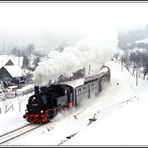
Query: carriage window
76 92
84 89
92 85
79 91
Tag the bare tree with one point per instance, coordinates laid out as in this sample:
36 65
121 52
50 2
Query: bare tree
145 64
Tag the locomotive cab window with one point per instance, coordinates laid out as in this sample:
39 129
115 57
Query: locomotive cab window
65 91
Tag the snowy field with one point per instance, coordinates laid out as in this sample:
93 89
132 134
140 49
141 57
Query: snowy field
121 117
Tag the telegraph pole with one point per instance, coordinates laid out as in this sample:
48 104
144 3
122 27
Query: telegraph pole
18 58
89 69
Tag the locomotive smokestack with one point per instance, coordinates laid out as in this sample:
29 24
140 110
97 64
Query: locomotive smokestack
36 90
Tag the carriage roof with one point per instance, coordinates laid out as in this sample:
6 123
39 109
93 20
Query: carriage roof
74 83
82 81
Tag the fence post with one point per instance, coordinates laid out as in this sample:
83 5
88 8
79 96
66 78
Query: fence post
11 106
19 106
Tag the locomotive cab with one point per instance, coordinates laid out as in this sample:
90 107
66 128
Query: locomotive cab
60 95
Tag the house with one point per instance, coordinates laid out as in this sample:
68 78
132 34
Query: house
12 75
11 60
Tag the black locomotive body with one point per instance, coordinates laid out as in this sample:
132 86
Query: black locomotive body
47 101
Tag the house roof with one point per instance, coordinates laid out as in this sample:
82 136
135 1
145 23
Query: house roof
14 71
15 60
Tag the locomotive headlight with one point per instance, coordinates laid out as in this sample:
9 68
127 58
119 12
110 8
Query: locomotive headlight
41 111
33 98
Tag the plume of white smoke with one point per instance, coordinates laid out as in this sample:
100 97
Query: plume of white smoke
96 48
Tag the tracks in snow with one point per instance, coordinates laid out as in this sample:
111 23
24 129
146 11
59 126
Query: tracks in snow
17 132
29 127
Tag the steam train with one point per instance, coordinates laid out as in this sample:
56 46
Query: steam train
47 101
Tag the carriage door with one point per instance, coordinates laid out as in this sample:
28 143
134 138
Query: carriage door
88 91
100 87
75 100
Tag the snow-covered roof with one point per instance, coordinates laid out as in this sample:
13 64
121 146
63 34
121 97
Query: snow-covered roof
15 71
75 83
15 60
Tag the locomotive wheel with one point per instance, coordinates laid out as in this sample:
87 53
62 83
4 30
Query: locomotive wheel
52 114
24 116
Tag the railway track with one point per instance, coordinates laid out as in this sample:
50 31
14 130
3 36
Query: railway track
17 132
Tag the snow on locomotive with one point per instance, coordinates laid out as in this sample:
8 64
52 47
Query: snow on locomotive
47 101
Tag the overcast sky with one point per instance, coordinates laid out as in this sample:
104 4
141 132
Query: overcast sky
32 21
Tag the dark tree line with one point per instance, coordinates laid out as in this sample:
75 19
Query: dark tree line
136 60
27 53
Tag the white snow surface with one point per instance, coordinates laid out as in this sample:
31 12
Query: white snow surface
121 117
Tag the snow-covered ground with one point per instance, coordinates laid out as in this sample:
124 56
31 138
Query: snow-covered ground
121 117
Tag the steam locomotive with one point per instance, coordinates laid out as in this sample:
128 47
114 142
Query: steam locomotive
47 101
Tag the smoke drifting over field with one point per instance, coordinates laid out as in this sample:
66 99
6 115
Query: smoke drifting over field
95 48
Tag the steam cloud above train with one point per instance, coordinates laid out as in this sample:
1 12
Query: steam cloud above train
95 48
